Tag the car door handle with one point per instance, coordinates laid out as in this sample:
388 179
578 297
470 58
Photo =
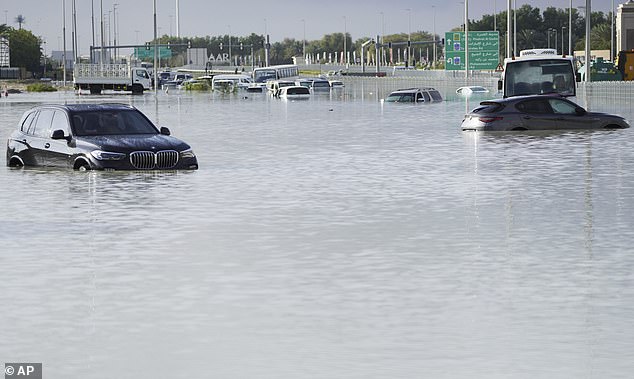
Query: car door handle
527 117
47 145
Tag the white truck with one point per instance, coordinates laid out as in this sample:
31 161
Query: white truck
96 77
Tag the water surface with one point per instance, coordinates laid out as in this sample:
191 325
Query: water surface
331 238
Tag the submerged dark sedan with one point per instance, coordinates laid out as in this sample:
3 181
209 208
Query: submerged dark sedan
95 137
537 112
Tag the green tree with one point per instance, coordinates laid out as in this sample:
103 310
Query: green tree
25 49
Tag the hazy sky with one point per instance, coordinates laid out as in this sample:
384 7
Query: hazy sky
280 19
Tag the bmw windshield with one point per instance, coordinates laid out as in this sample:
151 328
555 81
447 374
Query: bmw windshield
111 122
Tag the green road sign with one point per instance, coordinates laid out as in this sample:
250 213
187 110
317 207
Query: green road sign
484 50
143 53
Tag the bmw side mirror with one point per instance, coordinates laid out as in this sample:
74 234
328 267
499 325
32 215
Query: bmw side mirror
499 85
578 76
580 111
59 134
165 131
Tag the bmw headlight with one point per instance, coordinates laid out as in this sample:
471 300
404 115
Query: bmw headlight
189 153
107 155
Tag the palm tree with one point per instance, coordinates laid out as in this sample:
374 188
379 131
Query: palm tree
20 20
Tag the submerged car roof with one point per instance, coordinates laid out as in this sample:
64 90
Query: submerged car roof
89 107
414 89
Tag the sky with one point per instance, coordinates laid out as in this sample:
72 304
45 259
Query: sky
280 18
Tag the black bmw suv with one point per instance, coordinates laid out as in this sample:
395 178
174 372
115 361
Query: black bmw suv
95 137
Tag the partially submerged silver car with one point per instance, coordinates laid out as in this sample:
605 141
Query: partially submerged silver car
537 112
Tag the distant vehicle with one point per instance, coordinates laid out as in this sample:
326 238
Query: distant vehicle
468 90
414 95
264 74
236 80
538 71
178 79
294 92
320 84
274 86
336 83
165 76
537 112
97 77
313 83
601 71
95 137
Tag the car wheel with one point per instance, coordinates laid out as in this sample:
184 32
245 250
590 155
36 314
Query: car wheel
82 166
15 162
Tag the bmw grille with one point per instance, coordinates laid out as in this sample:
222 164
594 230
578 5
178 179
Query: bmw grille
146 160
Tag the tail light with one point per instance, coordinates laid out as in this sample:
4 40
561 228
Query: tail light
490 119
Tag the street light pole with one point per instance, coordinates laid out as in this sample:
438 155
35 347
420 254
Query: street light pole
570 29
345 58
466 39
304 40
562 40
433 65
409 34
230 57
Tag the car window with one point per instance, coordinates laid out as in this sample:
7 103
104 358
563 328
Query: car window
60 122
562 107
26 125
435 95
488 107
111 122
43 123
538 106
427 98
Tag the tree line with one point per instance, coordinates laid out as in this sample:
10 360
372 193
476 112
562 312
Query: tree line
535 30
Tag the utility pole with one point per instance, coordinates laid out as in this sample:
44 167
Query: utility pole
64 39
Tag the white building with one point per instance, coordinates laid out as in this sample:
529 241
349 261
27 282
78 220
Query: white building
625 26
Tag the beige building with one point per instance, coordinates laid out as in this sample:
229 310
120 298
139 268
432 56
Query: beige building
625 26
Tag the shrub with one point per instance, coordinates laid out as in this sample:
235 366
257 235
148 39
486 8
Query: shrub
40 87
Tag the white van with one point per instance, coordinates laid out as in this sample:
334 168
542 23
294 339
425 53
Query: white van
236 80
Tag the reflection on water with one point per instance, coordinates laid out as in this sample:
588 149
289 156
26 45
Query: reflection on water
335 237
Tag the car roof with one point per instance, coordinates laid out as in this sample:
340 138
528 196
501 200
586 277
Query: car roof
515 99
404 90
87 107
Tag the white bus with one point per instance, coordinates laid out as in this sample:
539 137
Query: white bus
539 71
262 74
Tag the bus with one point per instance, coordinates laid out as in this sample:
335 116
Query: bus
539 71
262 74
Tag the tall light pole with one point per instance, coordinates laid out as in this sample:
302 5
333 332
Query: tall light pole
612 34
382 37
345 58
178 25
570 29
102 51
433 65
508 29
495 15
230 58
304 39
64 38
588 30
466 39
114 32
409 34
515 27
562 40
155 67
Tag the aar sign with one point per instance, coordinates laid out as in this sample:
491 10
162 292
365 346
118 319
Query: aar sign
484 50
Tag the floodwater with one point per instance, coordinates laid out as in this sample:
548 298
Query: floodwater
331 238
